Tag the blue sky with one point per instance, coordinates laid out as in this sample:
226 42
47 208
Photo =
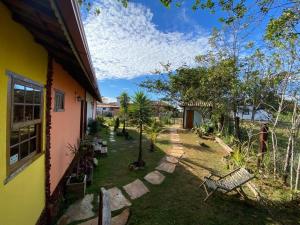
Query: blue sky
127 45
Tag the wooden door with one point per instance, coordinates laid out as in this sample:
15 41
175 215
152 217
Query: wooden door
190 119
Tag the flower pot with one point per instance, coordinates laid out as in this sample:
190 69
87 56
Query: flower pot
76 188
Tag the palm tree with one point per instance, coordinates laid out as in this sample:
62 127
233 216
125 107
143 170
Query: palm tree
153 131
140 114
124 104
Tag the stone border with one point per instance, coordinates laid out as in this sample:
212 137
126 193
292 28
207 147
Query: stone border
223 145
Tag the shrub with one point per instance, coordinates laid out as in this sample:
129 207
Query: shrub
117 124
93 126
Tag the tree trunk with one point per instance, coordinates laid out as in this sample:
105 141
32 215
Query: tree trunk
287 161
297 174
263 140
124 126
151 145
140 159
237 127
274 145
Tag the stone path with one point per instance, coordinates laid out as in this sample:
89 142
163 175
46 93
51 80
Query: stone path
167 167
80 210
136 189
117 199
154 177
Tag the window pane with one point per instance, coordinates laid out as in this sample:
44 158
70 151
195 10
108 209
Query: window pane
19 93
14 137
24 133
32 130
36 112
28 112
32 145
29 95
37 96
24 149
19 113
14 155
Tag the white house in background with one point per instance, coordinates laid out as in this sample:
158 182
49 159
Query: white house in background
194 112
245 113
108 109
90 107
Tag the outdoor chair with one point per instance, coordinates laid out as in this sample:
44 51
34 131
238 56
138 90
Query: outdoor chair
232 181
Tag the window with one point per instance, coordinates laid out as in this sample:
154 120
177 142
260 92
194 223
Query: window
59 102
104 108
25 121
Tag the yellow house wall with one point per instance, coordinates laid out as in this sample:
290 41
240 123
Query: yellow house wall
22 199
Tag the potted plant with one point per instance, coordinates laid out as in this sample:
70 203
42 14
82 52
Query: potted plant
76 183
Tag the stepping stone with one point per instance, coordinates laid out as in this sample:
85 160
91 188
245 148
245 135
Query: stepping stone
121 219
80 210
176 154
117 199
90 222
154 177
136 189
171 159
167 167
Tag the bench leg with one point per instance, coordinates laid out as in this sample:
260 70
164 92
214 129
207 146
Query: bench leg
209 194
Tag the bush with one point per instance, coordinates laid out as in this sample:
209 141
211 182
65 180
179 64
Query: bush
117 124
94 126
101 120
204 129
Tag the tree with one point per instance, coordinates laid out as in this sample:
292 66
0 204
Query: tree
153 131
124 104
140 114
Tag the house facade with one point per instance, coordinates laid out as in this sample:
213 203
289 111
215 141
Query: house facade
195 113
48 91
108 109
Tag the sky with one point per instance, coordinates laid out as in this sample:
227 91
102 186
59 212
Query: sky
128 44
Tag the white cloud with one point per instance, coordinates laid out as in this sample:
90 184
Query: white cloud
108 99
125 43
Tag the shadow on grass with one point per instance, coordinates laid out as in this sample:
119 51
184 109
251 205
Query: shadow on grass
179 200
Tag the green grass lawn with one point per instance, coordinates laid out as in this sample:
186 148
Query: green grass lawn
179 200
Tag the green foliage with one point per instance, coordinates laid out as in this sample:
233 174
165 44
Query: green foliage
101 120
116 124
204 129
238 159
94 126
140 111
153 130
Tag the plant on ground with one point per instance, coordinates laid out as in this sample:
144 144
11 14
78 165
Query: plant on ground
153 131
124 105
140 114
94 126
116 124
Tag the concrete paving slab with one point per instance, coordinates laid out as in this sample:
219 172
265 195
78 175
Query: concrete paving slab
136 189
155 177
122 218
117 199
167 167
80 210
170 159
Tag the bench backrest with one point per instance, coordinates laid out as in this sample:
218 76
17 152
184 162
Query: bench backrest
235 179
104 208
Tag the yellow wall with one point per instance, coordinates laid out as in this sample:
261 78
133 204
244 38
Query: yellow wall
22 199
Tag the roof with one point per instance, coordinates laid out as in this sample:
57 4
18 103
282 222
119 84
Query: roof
57 26
108 105
198 103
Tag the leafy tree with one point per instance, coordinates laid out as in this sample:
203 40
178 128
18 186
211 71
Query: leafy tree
153 131
140 114
124 105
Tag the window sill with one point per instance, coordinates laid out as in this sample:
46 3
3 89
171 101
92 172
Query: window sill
13 174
